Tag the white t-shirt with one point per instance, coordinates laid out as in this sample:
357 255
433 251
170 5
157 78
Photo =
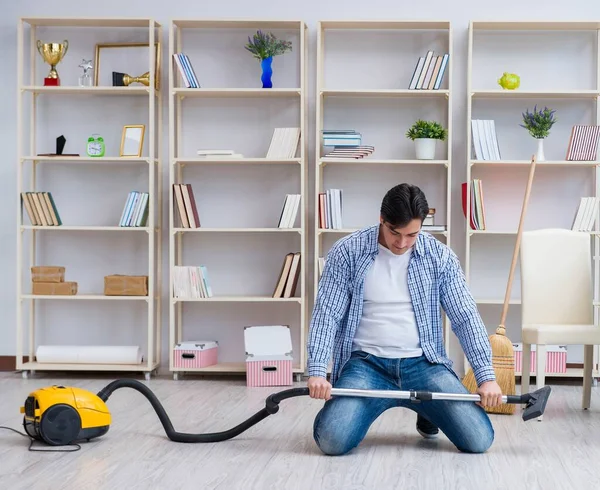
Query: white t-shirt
388 327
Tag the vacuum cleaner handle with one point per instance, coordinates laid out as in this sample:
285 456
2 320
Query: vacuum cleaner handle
535 402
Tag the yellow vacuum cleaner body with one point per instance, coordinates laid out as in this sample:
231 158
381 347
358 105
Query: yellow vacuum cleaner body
60 415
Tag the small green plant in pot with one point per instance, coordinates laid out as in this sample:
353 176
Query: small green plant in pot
425 134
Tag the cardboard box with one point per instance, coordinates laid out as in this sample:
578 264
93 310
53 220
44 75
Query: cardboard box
195 354
268 355
122 285
68 288
556 358
47 273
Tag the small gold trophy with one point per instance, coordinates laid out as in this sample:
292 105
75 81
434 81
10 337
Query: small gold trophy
123 79
52 53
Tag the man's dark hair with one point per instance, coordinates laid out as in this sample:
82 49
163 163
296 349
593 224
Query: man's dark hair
402 204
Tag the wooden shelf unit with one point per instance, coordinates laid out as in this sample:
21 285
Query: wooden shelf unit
31 92
435 35
495 43
182 157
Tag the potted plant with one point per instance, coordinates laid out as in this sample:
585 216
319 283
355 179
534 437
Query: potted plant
425 134
539 123
263 47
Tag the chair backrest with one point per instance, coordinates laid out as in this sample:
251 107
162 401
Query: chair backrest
556 277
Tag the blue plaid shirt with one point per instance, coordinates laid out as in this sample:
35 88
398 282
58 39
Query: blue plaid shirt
434 278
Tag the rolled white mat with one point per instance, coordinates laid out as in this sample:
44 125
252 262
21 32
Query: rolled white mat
89 354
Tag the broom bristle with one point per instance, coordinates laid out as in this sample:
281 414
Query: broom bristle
503 362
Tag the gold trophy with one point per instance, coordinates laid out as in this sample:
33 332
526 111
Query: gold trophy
52 53
123 79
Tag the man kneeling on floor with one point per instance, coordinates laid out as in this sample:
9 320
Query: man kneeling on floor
378 312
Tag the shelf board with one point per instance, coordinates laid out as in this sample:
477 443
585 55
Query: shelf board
38 366
571 373
236 161
346 231
239 299
383 93
85 297
237 24
86 228
237 230
237 92
556 163
496 301
507 232
535 25
532 94
89 22
374 161
75 90
86 159
385 24
223 367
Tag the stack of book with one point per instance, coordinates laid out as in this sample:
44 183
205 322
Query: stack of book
289 211
586 214
330 209
186 206
135 212
583 143
191 282
477 218
429 72
484 141
288 278
188 76
344 143
284 143
41 208
217 154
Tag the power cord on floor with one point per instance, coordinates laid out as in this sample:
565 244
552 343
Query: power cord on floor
75 447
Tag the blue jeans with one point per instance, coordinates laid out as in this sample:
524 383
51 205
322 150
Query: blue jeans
343 421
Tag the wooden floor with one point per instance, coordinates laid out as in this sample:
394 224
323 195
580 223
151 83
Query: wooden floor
562 452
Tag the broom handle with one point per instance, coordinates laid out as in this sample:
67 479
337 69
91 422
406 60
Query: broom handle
513 265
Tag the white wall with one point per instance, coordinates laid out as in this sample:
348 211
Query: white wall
76 324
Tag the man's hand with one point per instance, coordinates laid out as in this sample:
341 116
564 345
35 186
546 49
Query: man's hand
490 393
319 387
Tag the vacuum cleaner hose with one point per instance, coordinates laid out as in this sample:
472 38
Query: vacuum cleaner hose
271 407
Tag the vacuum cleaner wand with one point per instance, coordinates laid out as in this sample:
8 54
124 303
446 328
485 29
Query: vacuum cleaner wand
535 405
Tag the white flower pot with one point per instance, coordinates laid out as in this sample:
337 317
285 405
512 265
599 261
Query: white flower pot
540 157
425 148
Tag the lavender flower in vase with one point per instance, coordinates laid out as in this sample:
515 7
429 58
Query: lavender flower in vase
539 123
263 47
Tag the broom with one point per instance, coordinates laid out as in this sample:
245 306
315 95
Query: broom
503 360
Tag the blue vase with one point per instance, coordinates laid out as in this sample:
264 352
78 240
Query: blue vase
267 72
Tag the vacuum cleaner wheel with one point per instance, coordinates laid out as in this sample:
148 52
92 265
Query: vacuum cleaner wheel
60 425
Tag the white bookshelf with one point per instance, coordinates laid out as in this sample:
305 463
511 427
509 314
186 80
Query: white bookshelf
558 64
364 69
90 194
239 199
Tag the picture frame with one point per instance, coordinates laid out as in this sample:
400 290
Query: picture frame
126 58
132 140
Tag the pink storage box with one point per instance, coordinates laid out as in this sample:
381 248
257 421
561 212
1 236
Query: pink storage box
195 354
268 355
556 358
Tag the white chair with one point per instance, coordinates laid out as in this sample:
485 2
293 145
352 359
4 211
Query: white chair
557 300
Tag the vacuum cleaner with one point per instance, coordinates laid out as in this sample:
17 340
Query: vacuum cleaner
60 415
